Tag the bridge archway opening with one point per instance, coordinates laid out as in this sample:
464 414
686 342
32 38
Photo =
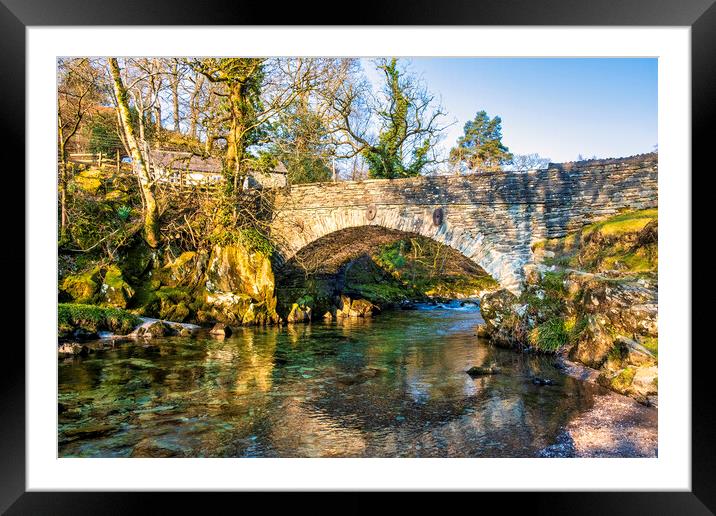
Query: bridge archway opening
325 267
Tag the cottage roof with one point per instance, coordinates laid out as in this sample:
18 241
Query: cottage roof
187 161
184 161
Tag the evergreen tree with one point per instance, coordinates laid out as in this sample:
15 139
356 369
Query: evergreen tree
481 148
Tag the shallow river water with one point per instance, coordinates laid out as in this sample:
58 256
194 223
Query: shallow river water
391 386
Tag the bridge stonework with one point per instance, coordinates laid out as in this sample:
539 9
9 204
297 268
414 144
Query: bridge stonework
491 218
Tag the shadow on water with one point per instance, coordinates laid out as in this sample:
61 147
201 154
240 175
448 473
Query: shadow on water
393 386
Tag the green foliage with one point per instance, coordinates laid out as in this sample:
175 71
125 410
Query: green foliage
550 336
124 211
239 109
651 343
431 268
94 318
103 138
306 300
627 222
302 144
382 293
251 238
553 282
256 241
405 141
626 242
104 211
481 148
391 256
623 380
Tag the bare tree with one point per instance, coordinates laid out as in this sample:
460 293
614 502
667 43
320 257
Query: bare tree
525 162
395 129
141 168
78 93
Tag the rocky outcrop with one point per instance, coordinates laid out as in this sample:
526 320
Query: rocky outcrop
83 322
604 319
82 287
238 287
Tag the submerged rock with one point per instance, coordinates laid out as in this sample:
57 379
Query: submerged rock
221 329
543 381
483 371
70 349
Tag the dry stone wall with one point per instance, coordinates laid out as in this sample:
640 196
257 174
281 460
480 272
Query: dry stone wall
492 218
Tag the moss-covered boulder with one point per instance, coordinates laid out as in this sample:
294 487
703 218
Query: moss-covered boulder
641 383
115 291
186 270
153 329
92 319
173 303
136 261
355 308
83 287
497 306
361 308
238 281
225 307
234 268
89 180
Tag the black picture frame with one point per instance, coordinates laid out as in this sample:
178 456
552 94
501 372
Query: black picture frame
16 15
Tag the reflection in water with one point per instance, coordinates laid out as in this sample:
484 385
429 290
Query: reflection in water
394 386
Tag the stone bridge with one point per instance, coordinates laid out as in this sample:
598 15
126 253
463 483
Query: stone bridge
491 218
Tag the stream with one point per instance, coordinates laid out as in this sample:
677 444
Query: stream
391 386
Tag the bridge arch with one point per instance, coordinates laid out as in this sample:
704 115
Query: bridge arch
347 232
491 218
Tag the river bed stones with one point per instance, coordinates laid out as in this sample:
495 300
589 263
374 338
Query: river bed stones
476 371
354 308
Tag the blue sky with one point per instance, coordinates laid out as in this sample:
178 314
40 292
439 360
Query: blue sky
558 107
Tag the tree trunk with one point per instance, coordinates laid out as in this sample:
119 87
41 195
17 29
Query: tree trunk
174 82
151 209
63 188
193 105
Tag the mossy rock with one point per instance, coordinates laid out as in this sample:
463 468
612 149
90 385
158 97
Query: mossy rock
89 318
594 343
299 314
89 180
83 287
184 271
173 303
115 291
117 196
137 261
623 380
